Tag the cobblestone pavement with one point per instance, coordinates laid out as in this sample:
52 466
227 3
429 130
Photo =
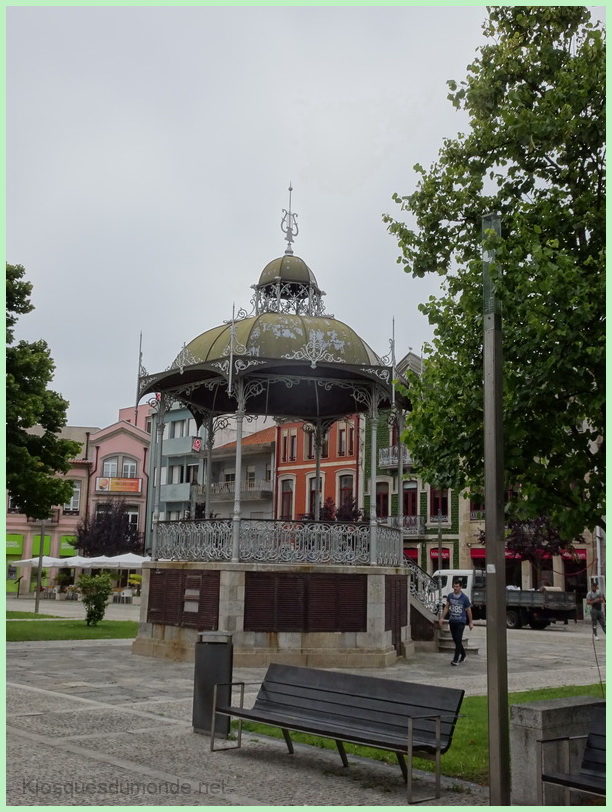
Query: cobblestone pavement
91 724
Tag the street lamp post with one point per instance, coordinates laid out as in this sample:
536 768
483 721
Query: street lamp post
40 560
497 648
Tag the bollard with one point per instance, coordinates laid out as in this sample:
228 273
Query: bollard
214 654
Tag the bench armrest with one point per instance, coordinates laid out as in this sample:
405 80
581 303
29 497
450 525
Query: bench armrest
219 684
437 715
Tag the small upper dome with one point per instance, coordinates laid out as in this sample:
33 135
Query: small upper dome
287 269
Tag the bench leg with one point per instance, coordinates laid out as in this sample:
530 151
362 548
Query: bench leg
402 763
342 751
213 723
408 776
288 740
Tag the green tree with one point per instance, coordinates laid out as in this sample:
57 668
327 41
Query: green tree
108 532
33 461
534 153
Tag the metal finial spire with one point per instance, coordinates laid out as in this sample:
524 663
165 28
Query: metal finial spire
289 225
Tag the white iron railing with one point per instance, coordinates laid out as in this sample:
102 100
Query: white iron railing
273 541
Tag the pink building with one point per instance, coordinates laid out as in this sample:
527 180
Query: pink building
113 463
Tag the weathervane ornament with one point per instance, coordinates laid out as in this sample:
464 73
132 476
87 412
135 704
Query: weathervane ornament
289 225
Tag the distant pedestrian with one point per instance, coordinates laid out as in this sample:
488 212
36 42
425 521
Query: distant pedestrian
459 610
596 600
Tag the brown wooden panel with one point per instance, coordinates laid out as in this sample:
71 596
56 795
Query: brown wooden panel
352 612
322 603
208 615
290 603
173 598
157 589
259 601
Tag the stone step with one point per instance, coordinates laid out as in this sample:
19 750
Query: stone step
445 641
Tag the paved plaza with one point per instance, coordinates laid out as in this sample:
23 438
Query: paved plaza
91 724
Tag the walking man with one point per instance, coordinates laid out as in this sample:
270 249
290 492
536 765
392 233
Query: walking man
458 608
596 600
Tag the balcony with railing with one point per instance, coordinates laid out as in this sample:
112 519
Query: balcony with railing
410 525
249 489
389 457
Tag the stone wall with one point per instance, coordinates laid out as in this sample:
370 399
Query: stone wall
371 647
547 719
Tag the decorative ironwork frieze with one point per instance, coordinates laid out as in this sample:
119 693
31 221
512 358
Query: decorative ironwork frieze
315 351
185 358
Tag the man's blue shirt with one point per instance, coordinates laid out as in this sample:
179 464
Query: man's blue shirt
457 604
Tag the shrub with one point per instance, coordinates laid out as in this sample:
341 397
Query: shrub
95 590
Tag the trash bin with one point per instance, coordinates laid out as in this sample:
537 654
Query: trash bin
214 654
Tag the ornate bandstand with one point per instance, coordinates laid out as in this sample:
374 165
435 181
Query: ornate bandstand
305 592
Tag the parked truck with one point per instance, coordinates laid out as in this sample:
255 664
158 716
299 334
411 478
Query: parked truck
536 608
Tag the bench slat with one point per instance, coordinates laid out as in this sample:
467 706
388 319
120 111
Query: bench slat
358 702
374 738
389 716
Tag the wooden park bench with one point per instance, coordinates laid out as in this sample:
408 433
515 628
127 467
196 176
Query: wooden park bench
406 718
591 777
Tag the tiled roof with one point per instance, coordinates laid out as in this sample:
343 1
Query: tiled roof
259 438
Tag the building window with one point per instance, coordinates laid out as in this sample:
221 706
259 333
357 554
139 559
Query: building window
129 468
13 507
351 440
312 494
177 474
310 445
110 467
342 441
131 512
286 500
148 424
394 434
250 474
346 490
382 500
192 474
102 508
410 504
293 446
177 429
476 507
438 505
325 446
73 505
268 472
284 441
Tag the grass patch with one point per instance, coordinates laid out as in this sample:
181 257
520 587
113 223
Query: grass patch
70 630
468 756
26 615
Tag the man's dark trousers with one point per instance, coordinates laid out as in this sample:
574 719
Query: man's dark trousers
456 630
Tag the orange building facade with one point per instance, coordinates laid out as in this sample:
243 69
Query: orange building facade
296 467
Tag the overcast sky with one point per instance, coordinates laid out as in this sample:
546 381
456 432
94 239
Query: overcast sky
149 152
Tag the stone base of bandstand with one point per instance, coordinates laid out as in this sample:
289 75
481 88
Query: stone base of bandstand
372 647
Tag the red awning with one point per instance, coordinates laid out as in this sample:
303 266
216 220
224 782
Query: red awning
433 553
581 555
478 552
411 552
